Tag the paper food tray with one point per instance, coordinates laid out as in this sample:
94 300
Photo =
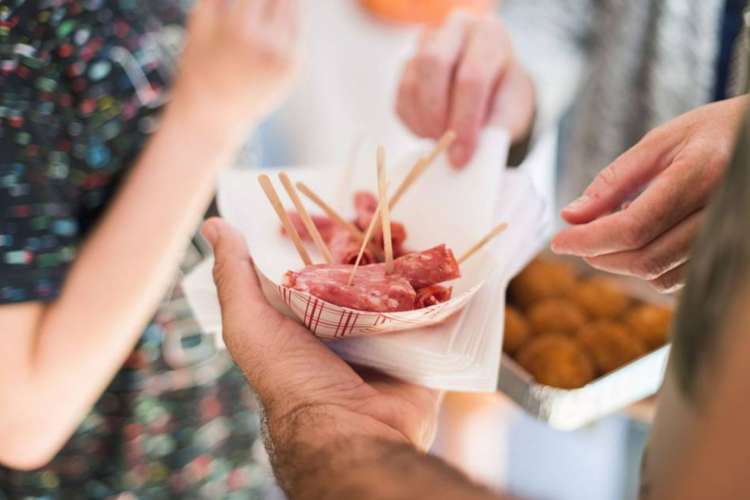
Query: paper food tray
571 409
443 206
461 353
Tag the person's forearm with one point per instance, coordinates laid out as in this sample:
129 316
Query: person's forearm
367 468
118 278
312 464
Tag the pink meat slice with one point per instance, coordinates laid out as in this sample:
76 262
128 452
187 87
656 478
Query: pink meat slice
371 290
429 267
365 206
325 226
432 295
344 249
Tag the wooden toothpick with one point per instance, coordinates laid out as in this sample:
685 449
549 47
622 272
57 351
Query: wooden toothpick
336 217
385 217
421 166
494 232
306 219
267 186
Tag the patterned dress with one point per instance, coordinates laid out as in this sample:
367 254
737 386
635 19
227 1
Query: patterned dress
81 86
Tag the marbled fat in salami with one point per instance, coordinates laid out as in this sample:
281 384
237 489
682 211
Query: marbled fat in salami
432 295
371 290
427 268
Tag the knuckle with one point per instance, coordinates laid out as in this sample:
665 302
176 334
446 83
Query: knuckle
609 176
662 284
655 135
633 233
470 79
667 283
647 267
431 62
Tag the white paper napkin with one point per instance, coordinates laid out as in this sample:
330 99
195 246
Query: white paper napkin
462 353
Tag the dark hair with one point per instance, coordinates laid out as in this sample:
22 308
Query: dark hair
718 270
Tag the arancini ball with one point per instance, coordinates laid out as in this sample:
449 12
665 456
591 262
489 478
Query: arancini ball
542 279
557 360
610 345
650 323
600 298
556 316
517 330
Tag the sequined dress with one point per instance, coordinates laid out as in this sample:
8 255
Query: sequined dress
81 87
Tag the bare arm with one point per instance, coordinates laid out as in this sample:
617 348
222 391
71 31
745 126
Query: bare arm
369 469
57 359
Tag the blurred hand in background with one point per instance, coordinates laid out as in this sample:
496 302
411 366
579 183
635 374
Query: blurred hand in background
670 176
464 76
239 57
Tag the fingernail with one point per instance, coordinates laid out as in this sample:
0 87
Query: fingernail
209 233
578 203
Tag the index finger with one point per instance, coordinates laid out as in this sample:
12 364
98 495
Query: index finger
434 65
623 177
484 61
668 200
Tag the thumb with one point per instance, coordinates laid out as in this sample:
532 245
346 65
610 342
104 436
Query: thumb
621 179
240 295
277 355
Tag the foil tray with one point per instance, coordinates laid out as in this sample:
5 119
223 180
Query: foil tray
569 409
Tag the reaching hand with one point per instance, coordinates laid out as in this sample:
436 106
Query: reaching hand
463 77
672 173
239 57
310 396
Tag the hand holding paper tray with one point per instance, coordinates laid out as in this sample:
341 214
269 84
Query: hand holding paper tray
445 207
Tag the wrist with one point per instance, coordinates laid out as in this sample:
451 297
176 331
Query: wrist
315 426
196 122
221 113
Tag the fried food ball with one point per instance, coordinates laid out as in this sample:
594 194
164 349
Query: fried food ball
556 316
610 344
542 279
600 298
557 360
517 330
650 323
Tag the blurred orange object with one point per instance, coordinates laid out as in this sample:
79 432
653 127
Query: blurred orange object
423 11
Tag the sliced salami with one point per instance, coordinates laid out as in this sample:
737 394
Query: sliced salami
371 290
365 206
429 267
325 226
432 295
344 249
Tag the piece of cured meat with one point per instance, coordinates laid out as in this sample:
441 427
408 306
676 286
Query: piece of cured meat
432 295
372 289
326 227
429 267
344 249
